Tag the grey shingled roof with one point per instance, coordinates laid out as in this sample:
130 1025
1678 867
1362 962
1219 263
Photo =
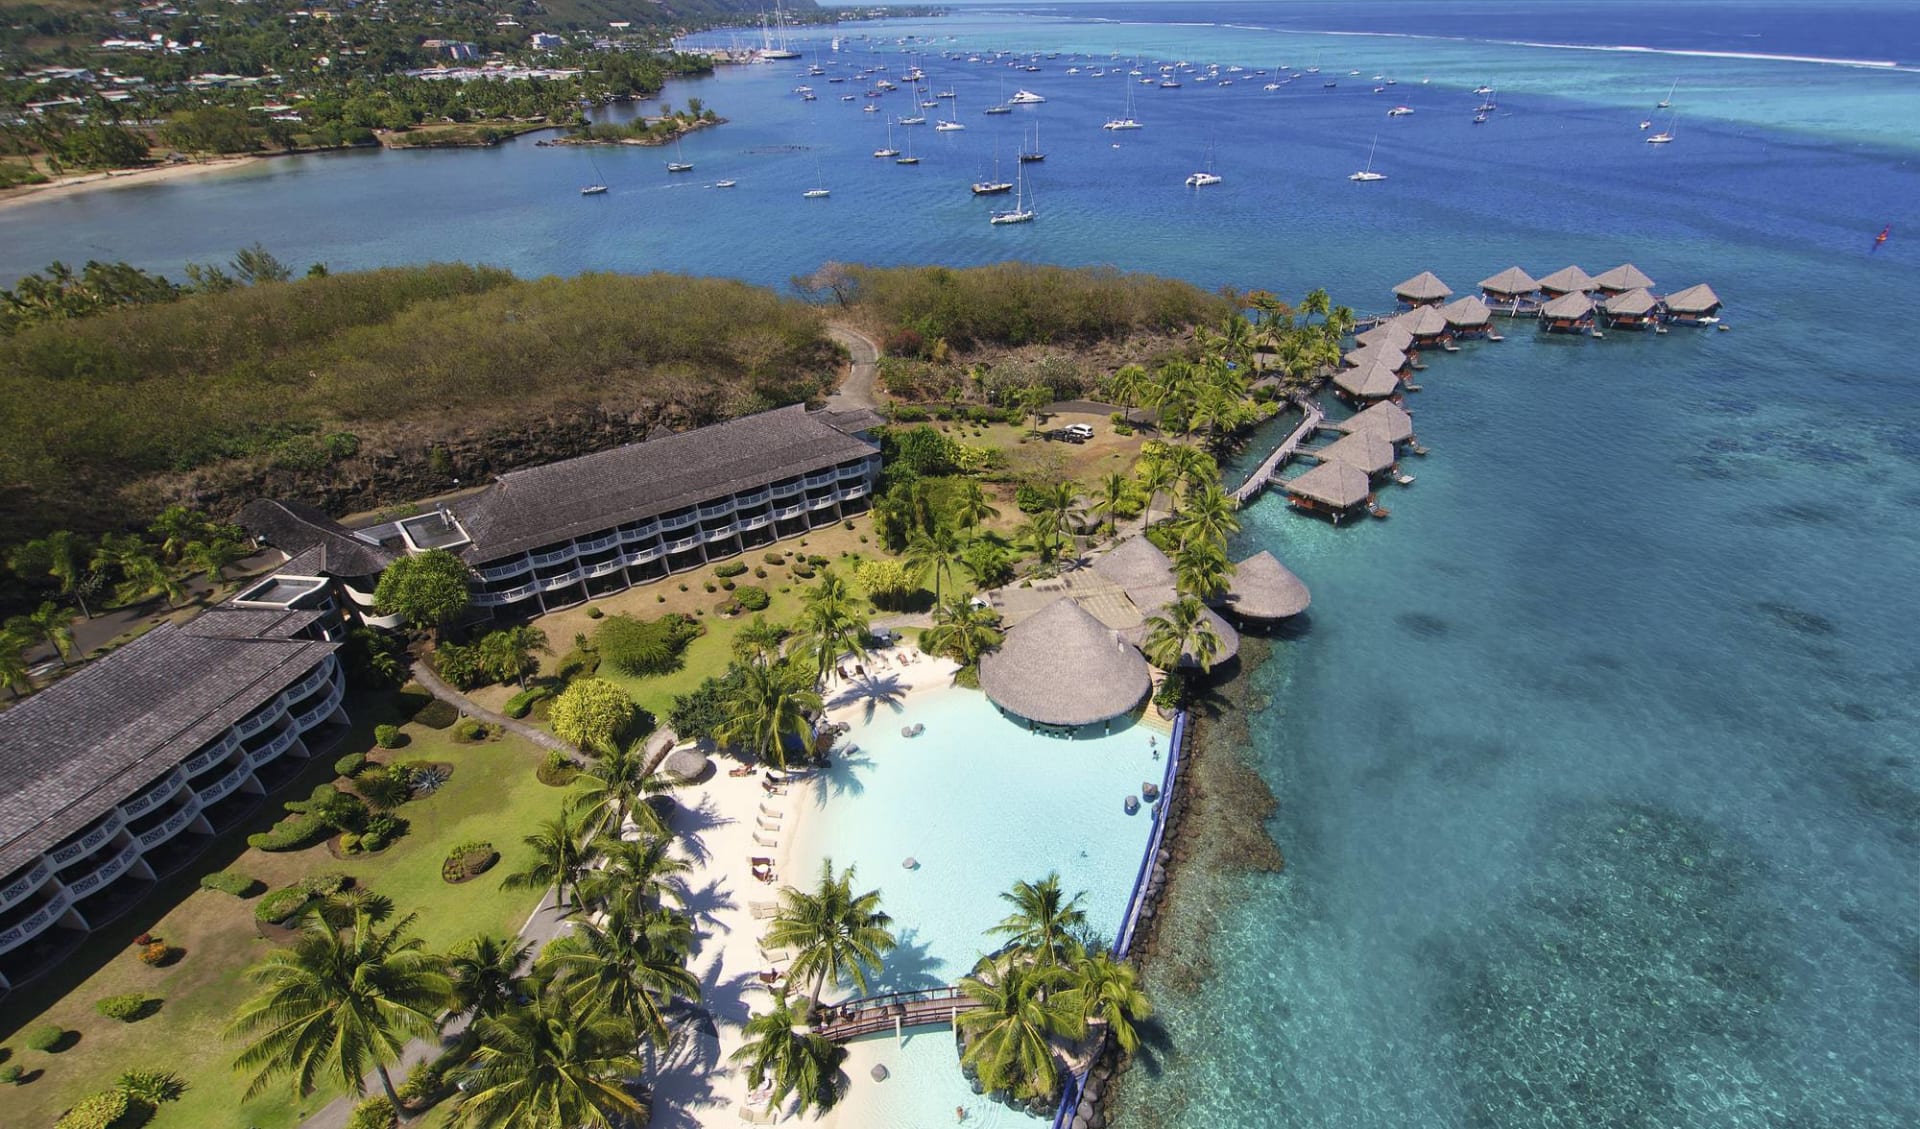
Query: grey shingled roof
75 750
1335 484
1263 588
1633 303
1061 666
1366 451
1469 312
1511 281
1389 421
1571 306
1423 287
849 420
1377 381
526 509
1624 277
1693 300
1568 280
296 528
1387 335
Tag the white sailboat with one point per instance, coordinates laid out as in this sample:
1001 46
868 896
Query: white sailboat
909 159
820 191
948 125
889 151
677 164
995 186
1126 121
1667 102
1206 175
1367 174
1665 136
599 185
1022 211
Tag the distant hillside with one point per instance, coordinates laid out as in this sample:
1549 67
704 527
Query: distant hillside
677 13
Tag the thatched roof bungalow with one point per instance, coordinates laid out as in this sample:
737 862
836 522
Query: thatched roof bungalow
1621 279
1332 488
1061 666
1393 359
1422 289
1468 316
1569 313
1696 305
1229 638
1636 309
1263 588
1388 420
1510 288
1386 335
1377 381
1426 323
1567 280
1365 451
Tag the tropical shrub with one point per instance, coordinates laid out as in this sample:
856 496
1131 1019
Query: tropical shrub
10 1074
470 731
374 1113
159 954
643 648
96 1111
437 714
751 598
460 666
152 1087
296 832
126 1007
521 704
731 568
281 905
352 763
326 883
382 787
775 558
46 1037
227 882
467 860
594 613
577 664
426 1083
387 737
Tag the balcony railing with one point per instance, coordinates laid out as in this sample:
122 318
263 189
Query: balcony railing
794 510
274 712
857 470
561 555
604 567
858 490
640 533
226 784
553 583
106 873
716 509
822 502
506 571
35 925
786 489
641 556
746 523
317 678
754 498
90 842
317 714
504 596
596 544
821 478
272 749
720 534
154 797
172 826
679 522
208 757
26 884
682 544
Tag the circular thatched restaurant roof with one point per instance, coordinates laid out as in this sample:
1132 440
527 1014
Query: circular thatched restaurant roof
1263 588
686 764
1061 666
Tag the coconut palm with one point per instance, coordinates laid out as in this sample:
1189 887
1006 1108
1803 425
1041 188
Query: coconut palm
1128 385
338 1003
485 971
213 556
557 1063
1116 493
1201 568
51 622
831 628
631 963
769 706
1236 338
759 641
800 1062
560 856
936 553
970 507
1008 1037
1179 633
175 527
1153 477
66 557
639 872
988 563
1040 533
1209 518
1043 920
1033 401
1106 990
613 788
14 668
507 654
1061 504
837 936
963 630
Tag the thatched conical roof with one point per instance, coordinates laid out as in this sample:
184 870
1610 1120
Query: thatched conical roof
1387 420
1229 638
1622 278
1694 300
1333 484
1467 313
1510 282
1634 303
1568 280
1135 563
1568 306
1061 666
1363 450
1377 381
1422 287
1386 335
1423 322
1263 588
1375 355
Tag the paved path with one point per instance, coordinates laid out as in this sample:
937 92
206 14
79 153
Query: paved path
856 391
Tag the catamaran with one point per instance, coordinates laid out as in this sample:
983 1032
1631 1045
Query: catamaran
1206 175
820 191
1022 210
1400 111
1367 174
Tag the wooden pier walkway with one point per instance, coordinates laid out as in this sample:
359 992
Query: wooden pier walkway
895 1010
1257 481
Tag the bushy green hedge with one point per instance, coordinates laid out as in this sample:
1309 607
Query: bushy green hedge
103 1110
577 664
471 730
374 1113
352 763
437 714
752 598
731 568
296 832
125 1007
521 704
227 882
643 648
46 1037
276 908
388 736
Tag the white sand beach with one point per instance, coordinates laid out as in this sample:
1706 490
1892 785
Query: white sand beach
76 184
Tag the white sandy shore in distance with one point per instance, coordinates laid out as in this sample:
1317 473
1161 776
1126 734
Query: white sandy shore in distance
66 186
718 821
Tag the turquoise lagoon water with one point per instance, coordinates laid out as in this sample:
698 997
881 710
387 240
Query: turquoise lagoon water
1597 762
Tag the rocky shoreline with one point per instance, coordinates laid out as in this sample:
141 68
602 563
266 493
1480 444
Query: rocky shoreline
642 142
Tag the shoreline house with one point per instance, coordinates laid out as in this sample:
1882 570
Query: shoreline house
1696 305
1367 451
1388 335
1063 669
126 770
552 536
1387 420
1375 380
1512 292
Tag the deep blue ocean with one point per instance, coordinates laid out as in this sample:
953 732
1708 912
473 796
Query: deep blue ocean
1597 765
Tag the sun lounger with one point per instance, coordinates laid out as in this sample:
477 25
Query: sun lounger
763 910
764 841
774 813
766 824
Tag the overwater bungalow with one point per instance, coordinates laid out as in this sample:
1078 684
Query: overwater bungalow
1512 292
1423 289
1061 666
1336 490
1468 316
1567 280
1427 324
1696 305
1621 279
1635 309
1388 335
1365 451
1388 420
1395 361
1377 381
1569 313
1264 589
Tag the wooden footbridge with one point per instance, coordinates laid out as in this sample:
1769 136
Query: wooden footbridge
894 1011
1257 481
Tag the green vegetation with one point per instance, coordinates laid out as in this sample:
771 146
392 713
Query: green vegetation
426 589
593 714
642 648
126 1008
228 882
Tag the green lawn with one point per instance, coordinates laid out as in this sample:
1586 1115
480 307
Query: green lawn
492 795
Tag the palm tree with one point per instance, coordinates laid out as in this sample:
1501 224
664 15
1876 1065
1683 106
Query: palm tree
559 858
1236 338
14 669
963 630
636 872
67 557
175 527
770 705
935 553
1316 302
831 627
970 507
1040 533
338 1003
1062 507
1009 1035
1210 516
1201 568
1128 385
553 1064
1033 401
50 622
1155 476
988 563
1107 990
507 653
1179 631
213 556
837 936
799 1061
1043 919
759 641
613 789
631 964
1116 494
485 971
